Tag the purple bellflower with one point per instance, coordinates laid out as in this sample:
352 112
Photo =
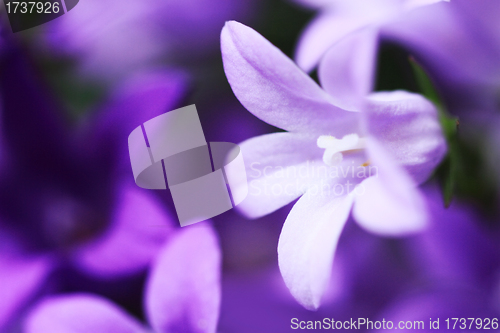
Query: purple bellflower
339 18
345 148
182 294
66 197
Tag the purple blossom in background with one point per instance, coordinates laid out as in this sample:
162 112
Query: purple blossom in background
66 197
339 18
459 43
182 294
448 270
386 130
112 38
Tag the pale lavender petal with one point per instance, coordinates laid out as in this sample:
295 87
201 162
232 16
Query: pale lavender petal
323 32
407 125
308 242
274 89
183 290
137 232
20 279
80 313
388 203
280 167
346 71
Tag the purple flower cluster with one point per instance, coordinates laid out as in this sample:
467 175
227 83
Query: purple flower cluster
390 213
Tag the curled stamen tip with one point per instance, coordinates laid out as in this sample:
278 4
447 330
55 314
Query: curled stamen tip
325 141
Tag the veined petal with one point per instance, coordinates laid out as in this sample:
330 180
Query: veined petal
389 203
307 245
347 70
80 313
275 162
407 125
274 89
183 290
137 232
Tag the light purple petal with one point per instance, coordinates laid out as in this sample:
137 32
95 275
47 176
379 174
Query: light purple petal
307 245
183 290
274 89
280 168
407 125
388 203
80 313
323 32
20 278
347 70
139 228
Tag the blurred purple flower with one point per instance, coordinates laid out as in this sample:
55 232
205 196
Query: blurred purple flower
339 18
66 195
458 246
448 270
111 38
459 43
182 294
389 130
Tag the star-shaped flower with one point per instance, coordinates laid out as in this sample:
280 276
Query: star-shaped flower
345 149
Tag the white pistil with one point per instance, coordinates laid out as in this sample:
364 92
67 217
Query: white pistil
335 147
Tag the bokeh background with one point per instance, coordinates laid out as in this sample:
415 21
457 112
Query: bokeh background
71 91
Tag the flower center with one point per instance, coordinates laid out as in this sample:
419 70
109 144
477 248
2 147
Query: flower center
334 148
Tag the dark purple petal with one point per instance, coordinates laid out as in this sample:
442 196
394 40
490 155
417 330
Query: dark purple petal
80 313
274 89
183 290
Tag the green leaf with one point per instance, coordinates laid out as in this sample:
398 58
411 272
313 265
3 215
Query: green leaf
447 172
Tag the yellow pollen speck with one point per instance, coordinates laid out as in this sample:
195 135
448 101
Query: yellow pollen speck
367 163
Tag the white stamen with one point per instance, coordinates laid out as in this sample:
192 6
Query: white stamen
335 147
